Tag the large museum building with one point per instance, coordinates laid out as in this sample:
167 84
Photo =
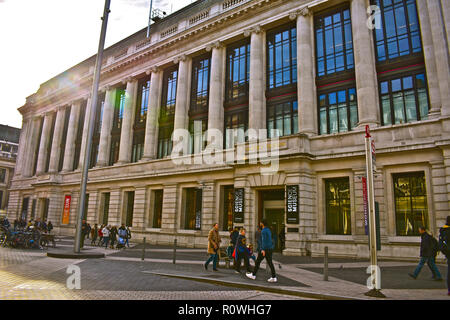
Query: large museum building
314 74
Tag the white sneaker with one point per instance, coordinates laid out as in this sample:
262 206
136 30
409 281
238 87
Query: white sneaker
250 276
272 280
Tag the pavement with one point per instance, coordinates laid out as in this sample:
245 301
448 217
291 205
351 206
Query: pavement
122 274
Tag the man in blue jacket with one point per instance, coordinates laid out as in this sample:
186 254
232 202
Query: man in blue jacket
265 252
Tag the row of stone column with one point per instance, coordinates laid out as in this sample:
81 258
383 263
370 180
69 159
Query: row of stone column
436 60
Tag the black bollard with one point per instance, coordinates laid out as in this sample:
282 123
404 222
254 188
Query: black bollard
143 251
325 265
174 251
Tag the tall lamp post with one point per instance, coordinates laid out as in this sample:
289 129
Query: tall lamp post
94 98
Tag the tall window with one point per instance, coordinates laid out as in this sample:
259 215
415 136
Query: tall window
157 208
79 137
105 207
193 209
238 70
129 208
282 57
404 99
50 141
399 34
228 202
64 138
119 105
335 80
38 144
167 113
411 210
338 111
198 110
236 124
97 130
338 214
283 117
140 119
334 43
2 175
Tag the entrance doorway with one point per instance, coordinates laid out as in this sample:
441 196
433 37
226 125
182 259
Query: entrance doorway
272 209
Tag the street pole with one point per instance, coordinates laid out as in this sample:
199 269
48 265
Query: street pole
94 98
374 269
149 18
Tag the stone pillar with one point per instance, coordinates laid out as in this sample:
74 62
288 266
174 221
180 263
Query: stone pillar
365 68
139 210
30 147
154 104
169 211
446 13
440 192
430 59
209 212
445 175
72 130
216 87
181 119
105 133
126 134
85 132
44 144
257 100
20 161
441 53
57 137
306 86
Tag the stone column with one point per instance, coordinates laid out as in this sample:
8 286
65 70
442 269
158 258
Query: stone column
72 130
20 161
154 104
30 147
430 59
85 132
257 101
44 144
446 14
169 211
306 86
216 87
57 137
126 134
441 53
365 68
105 133
181 119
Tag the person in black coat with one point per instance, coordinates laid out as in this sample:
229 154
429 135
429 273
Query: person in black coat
428 253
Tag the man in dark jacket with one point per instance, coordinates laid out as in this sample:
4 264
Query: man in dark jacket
428 252
242 252
444 244
266 252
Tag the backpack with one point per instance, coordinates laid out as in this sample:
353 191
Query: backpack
443 242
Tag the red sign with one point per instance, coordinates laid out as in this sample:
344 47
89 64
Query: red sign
66 211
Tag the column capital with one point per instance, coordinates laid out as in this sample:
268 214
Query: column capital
181 57
105 88
256 29
304 12
153 69
215 44
128 79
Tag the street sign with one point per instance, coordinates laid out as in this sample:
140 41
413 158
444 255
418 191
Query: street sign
238 206
66 211
292 212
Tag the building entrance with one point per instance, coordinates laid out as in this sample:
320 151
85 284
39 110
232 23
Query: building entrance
272 209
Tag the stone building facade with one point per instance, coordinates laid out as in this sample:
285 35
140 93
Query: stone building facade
9 145
317 71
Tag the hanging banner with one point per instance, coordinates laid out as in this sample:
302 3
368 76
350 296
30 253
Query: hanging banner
292 212
238 207
365 204
198 209
66 211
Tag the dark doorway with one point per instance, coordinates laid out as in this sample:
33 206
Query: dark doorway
271 207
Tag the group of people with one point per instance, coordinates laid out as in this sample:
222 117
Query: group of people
106 235
429 249
42 226
240 250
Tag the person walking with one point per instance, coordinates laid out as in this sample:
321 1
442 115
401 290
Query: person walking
105 233
113 236
100 235
88 231
94 234
444 247
213 247
84 230
122 232
50 227
242 252
128 237
266 252
428 253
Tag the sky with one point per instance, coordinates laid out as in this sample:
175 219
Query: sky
39 39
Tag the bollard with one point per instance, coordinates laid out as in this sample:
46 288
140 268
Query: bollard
325 265
174 251
143 251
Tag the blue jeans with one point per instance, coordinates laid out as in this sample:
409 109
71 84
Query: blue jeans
213 257
431 265
106 241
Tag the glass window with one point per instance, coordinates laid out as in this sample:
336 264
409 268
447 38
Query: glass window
283 117
137 150
167 113
334 43
200 84
2 175
228 202
106 197
338 111
399 35
165 141
143 99
236 124
404 99
238 71
118 108
157 208
193 209
197 130
338 213
282 57
411 210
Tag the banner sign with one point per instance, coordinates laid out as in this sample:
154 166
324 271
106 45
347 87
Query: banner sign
198 207
66 211
292 212
238 207
365 203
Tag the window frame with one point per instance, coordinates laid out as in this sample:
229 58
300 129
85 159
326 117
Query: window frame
326 181
241 98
